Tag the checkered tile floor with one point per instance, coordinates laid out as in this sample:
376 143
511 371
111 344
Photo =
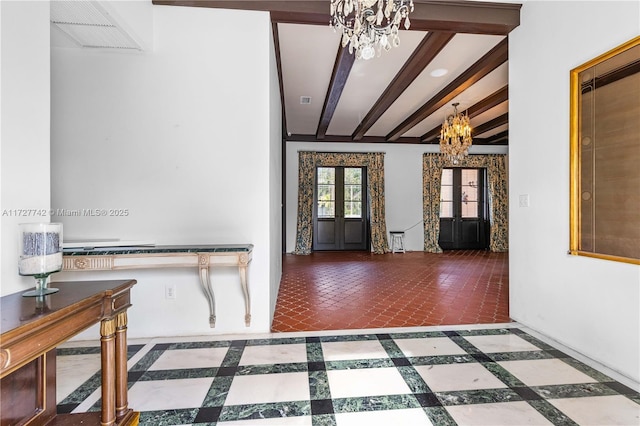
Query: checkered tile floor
484 376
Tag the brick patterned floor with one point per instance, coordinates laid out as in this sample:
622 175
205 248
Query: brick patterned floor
357 290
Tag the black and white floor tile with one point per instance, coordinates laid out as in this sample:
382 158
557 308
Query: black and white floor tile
499 375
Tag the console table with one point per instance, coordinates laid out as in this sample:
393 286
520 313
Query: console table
32 327
202 257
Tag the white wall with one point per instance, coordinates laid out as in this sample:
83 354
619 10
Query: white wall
275 180
178 136
24 136
590 305
402 180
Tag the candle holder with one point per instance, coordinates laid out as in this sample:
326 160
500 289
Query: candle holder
40 254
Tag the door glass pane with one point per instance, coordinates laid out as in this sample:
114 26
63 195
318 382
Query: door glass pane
352 192
469 191
326 194
446 193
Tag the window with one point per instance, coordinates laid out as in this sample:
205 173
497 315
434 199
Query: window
352 192
326 192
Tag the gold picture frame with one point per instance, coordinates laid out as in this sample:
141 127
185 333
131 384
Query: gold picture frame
605 155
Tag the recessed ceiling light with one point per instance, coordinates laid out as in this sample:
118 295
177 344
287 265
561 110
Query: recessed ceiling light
438 72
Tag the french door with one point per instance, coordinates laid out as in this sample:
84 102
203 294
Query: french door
340 213
463 209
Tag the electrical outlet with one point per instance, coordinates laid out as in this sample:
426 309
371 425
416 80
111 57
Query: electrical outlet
170 291
524 200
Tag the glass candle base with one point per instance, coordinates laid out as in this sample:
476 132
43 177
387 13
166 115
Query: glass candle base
41 288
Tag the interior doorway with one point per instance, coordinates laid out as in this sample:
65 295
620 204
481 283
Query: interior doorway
340 211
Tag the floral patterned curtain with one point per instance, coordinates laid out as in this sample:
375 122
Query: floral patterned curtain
432 166
307 163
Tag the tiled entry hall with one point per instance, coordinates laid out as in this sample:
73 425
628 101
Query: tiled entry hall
486 375
360 290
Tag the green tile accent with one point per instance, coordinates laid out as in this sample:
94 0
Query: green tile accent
480 396
374 403
266 410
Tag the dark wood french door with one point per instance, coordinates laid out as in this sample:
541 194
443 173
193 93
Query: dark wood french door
463 209
340 213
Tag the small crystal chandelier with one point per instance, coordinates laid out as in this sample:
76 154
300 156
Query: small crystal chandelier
455 136
364 28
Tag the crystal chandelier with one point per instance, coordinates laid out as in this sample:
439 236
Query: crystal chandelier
364 28
455 136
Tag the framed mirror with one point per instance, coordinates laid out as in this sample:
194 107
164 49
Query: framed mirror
605 155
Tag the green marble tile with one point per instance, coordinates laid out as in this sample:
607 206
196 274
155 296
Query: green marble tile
485 332
392 348
359 363
88 350
232 359
414 380
441 359
439 416
480 396
314 352
200 345
218 391
589 371
183 373
247 370
168 417
519 356
319 385
147 360
465 344
505 376
265 410
573 390
84 390
283 341
418 335
324 420
374 403
349 338
551 413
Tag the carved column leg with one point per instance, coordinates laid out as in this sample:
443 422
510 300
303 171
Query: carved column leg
107 346
244 261
203 264
122 402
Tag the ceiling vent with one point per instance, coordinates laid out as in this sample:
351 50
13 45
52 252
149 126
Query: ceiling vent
90 25
305 100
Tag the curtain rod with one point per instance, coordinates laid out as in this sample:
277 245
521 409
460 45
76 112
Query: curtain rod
342 152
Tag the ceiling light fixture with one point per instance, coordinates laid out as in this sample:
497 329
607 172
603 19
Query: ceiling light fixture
455 136
364 28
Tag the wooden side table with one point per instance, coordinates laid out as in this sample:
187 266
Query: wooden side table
32 327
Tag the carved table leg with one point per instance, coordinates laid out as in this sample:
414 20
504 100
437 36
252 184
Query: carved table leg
107 346
121 365
203 264
244 261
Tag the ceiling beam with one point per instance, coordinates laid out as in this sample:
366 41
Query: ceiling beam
498 139
341 69
428 15
494 99
489 62
491 124
347 139
422 56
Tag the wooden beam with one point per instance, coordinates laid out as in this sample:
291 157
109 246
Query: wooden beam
491 124
341 69
428 15
494 99
422 56
498 139
347 139
489 62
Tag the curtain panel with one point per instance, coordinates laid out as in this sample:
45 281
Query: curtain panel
432 165
307 163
